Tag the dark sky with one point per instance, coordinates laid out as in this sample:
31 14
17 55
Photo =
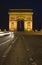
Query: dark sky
36 5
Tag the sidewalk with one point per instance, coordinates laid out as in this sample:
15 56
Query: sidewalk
28 33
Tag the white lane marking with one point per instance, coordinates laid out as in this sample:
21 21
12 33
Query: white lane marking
28 49
31 59
5 54
34 63
23 37
14 41
5 42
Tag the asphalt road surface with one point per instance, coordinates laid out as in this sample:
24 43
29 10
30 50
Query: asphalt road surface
5 42
24 50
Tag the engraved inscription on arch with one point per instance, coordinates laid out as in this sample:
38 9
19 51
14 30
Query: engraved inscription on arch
15 17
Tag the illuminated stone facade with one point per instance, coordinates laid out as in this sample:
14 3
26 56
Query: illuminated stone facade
20 20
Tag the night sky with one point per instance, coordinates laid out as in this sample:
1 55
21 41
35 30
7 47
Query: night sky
36 5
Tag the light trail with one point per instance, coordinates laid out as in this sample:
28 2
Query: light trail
8 33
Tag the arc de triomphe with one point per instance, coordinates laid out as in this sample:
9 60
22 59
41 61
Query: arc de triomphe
20 19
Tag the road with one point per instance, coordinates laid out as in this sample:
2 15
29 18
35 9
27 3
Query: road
25 50
5 42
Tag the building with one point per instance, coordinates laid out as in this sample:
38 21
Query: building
20 19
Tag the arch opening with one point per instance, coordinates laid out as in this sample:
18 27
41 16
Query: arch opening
20 25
